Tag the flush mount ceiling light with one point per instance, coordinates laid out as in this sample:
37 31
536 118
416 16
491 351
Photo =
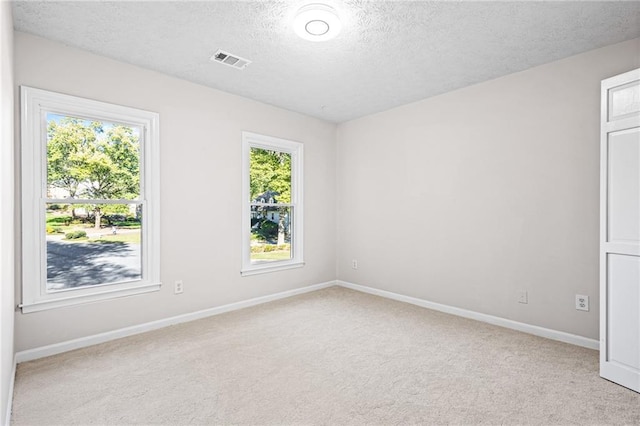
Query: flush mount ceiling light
317 22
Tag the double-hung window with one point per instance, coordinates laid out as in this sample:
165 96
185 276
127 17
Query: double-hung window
272 204
90 205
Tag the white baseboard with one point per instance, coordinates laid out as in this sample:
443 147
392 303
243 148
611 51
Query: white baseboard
12 381
95 339
502 322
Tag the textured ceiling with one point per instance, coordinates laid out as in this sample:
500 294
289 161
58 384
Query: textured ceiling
389 53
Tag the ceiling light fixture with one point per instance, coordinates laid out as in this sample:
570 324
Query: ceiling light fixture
317 22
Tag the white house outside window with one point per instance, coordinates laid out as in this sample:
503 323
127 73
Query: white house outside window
272 204
89 200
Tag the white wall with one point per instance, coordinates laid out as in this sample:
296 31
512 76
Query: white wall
201 204
463 199
6 206
469 197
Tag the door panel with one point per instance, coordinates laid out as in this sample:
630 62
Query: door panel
624 101
624 186
624 310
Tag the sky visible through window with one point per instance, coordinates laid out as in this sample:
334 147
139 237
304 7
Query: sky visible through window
58 118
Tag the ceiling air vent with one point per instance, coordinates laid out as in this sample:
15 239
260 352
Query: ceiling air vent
229 59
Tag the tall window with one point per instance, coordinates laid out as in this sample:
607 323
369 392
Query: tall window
272 204
89 200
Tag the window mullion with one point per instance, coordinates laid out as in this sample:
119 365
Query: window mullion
272 205
91 201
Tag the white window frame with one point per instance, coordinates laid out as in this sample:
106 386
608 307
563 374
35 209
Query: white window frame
296 149
35 104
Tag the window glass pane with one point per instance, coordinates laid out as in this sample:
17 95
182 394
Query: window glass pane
92 244
92 159
270 233
270 176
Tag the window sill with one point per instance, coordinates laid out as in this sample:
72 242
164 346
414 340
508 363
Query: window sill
266 268
60 302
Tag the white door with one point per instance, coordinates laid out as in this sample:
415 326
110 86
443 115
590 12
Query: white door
620 230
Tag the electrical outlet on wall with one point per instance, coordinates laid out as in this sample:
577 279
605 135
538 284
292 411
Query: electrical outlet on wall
178 287
582 302
354 264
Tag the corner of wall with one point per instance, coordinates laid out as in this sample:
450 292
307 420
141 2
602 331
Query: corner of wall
482 179
7 180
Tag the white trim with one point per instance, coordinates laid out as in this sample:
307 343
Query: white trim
35 103
296 150
109 293
502 322
82 342
262 268
12 381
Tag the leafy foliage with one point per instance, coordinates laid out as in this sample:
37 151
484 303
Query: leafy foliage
267 230
50 229
59 220
74 235
90 162
266 248
93 160
270 171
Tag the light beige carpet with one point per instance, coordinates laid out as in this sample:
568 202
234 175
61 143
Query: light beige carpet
334 357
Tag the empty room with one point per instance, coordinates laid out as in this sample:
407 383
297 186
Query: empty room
319 212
